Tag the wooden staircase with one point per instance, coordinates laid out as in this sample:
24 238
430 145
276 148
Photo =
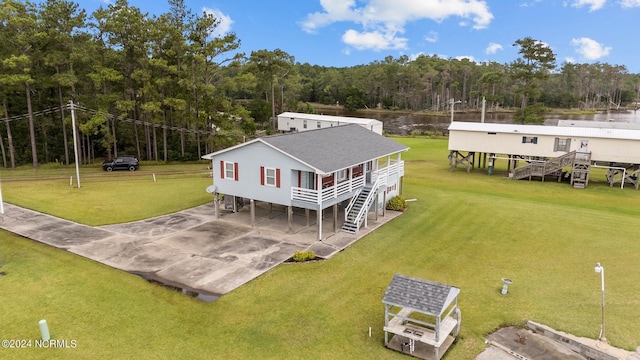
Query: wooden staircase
543 168
580 171
580 167
358 208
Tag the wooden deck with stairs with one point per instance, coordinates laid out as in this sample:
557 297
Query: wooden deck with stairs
580 167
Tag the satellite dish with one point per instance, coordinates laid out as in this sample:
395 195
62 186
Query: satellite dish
211 189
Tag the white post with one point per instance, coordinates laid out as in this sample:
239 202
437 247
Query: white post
599 269
453 104
484 104
44 330
75 139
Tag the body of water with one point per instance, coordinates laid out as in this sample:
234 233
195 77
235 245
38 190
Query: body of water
395 123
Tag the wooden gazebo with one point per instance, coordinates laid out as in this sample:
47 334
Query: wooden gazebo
421 316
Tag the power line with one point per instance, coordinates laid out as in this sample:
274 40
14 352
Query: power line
139 122
57 109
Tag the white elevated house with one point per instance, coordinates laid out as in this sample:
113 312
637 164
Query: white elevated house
548 150
313 170
291 121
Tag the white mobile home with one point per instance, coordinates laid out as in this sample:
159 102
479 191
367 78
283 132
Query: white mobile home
291 122
313 170
605 144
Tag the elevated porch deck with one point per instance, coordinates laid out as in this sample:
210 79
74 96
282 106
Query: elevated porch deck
323 198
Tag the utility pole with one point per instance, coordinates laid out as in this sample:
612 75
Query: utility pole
75 139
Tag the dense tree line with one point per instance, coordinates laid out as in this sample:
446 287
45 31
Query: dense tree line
168 87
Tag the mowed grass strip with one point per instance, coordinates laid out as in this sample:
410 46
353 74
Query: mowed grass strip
107 198
467 230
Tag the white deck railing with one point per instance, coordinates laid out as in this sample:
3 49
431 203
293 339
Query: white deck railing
332 192
345 187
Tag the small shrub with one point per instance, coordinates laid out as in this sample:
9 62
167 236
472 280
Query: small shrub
302 256
397 203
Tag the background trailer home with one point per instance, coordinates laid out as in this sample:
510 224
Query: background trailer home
291 122
549 150
313 170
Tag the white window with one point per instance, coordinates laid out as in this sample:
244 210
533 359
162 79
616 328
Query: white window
341 175
562 144
270 176
229 170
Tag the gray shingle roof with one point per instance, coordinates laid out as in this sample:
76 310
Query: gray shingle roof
335 148
422 295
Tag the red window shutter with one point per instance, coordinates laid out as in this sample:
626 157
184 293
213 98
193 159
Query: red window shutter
235 171
299 178
277 178
261 175
221 169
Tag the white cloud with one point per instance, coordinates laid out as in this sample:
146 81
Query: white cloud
493 48
382 19
225 21
592 4
590 49
570 60
432 37
373 40
530 4
630 3
415 56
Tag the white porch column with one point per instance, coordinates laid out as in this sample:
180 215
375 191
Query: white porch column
318 189
388 168
319 223
335 218
399 177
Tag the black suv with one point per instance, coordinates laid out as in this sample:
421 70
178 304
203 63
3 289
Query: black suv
121 163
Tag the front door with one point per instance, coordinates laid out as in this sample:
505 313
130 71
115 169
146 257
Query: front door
584 146
307 180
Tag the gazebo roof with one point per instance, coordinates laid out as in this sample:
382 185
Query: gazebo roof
425 296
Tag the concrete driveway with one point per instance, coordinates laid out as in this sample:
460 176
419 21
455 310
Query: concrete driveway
191 250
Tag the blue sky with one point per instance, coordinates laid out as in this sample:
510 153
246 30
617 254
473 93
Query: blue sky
354 32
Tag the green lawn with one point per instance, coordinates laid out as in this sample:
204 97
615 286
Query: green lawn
467 230
108 198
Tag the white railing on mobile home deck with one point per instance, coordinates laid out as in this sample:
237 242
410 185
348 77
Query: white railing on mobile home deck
344 187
